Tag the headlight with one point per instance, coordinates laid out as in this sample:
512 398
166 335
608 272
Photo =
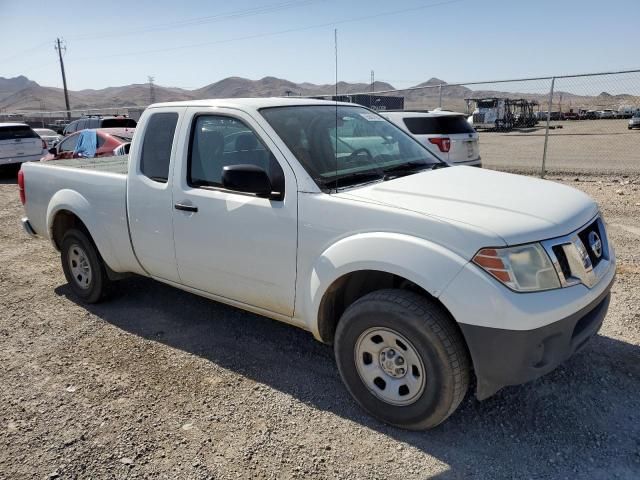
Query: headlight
525 268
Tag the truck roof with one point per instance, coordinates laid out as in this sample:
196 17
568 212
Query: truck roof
250 103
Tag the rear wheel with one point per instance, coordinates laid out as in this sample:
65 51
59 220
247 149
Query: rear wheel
402 358
83 267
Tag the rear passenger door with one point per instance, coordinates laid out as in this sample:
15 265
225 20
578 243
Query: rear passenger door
232 244
149 192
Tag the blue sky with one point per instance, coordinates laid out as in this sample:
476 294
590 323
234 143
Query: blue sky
121 42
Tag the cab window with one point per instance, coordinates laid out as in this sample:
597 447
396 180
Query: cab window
218 141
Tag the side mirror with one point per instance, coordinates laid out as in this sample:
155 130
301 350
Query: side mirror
246 178
53 151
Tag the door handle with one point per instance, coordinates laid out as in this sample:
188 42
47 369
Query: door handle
186 208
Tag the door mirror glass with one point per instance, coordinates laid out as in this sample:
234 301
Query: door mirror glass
247 179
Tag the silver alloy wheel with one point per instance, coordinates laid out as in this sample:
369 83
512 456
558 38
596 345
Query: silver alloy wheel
389 365
79 266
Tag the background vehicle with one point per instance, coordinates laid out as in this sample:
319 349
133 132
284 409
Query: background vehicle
326 216
99 122
492 113
503 113
446 134
626 111
19 143
602 114
108 141
49 136
634 122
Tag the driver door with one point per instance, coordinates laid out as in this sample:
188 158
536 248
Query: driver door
232 244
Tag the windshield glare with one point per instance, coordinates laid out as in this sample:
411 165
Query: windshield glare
335 143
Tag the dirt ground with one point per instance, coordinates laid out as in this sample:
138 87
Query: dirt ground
159 383
579 146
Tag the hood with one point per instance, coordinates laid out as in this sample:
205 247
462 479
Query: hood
515 208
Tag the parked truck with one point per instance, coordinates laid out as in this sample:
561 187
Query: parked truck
326 216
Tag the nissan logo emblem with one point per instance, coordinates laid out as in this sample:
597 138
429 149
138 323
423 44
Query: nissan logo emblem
595 244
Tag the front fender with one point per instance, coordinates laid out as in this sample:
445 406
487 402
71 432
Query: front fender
429 265
75 203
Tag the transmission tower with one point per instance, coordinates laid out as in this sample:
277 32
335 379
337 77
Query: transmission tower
152 92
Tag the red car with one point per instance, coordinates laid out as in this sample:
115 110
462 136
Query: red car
108 140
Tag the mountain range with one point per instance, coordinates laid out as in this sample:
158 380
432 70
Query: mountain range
20 93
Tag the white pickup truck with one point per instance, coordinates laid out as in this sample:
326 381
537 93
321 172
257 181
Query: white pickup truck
330 218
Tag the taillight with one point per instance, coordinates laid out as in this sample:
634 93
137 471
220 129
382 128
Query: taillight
44 145
444 144
23 196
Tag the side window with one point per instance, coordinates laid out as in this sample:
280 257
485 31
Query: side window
71 128
68 144
218 141
156 146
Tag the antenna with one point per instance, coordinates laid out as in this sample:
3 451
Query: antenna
335 42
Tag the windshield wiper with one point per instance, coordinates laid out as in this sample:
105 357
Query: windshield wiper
407 169
351 179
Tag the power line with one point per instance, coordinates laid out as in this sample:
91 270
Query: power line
180 24
29 50
249 12
281 32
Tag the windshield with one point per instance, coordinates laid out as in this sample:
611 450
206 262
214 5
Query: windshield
45 131
344 145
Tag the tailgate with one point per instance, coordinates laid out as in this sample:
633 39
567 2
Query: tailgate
464 147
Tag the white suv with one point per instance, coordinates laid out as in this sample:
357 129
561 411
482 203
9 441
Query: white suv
634 122
19 143
447 134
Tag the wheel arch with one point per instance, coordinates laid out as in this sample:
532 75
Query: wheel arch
345 272
68 209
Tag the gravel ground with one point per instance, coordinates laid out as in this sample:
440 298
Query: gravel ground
159 383
579 146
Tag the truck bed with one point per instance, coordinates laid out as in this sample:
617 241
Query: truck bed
95 189
119 164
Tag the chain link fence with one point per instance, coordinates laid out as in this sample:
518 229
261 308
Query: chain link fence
563 124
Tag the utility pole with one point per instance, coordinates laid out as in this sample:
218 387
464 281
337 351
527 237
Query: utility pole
373 81
59 47
152 92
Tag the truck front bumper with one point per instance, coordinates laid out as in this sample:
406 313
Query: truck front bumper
512 357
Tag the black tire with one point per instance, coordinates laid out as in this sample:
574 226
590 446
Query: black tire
98 285
434 336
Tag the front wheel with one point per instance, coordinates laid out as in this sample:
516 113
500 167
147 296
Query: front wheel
402 358
83 267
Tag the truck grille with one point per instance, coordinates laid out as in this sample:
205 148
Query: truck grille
583 256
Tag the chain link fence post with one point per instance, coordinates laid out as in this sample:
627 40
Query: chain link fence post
440 95
546 133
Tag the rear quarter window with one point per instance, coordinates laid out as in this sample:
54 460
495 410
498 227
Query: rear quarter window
17 131
445 125
156 146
